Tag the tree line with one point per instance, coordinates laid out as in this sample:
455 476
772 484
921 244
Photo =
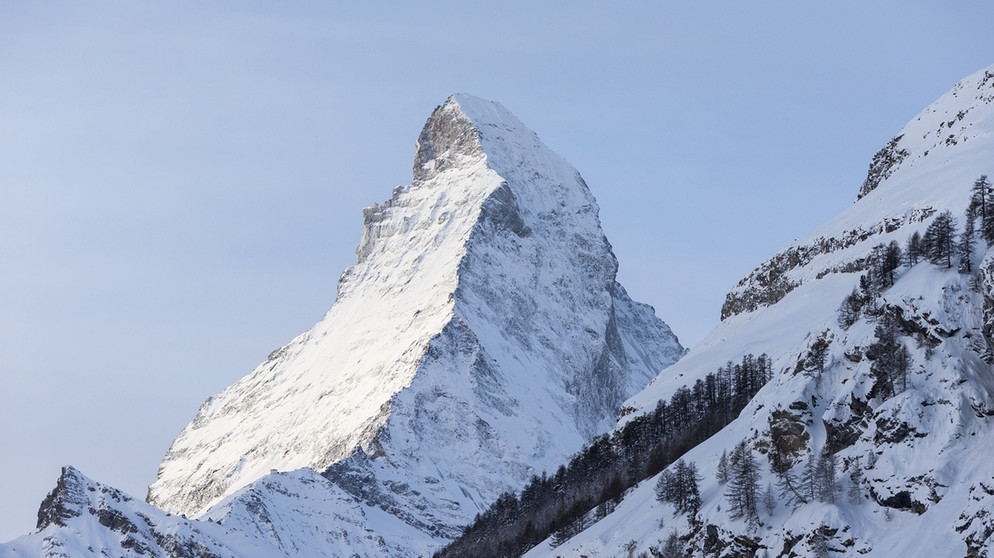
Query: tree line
942 244
592 484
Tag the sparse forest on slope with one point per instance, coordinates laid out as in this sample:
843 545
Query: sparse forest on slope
588 488
870 438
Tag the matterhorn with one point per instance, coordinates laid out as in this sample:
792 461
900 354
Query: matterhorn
480 340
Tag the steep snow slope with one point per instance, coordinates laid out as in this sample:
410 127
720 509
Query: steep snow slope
480 338
480 334
924 453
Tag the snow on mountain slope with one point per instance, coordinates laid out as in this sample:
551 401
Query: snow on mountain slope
298 513
927 483
84 518
480 338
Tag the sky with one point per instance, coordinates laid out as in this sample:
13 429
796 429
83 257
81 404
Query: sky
181 183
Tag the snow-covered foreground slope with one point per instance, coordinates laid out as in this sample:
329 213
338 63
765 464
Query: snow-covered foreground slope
914 474
481 337
287 514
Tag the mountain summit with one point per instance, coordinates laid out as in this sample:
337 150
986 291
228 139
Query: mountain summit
479 339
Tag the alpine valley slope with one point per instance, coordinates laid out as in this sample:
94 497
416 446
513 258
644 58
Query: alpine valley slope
480 338
915 474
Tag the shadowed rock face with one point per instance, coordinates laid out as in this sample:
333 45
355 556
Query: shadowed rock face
65 501
447 137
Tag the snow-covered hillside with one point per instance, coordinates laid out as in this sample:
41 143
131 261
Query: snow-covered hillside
911 442
481 337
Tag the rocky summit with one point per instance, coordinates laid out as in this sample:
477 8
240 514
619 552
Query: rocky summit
480 339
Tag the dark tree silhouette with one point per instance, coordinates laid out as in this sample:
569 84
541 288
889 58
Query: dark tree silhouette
939 239
890 359
743 483
966 242
578 492
914 250
681 488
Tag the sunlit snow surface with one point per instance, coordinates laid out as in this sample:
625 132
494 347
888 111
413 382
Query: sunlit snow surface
945 462
480 338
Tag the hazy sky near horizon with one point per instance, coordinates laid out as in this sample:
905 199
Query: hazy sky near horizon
181 183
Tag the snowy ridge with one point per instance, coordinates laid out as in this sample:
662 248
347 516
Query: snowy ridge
480 338
931 164
81 517
927 482
281 516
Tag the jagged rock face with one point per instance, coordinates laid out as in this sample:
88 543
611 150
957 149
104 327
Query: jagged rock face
284 515
922 444
81 517
480 338
928 167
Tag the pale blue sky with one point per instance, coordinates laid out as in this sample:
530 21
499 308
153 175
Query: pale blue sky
181 183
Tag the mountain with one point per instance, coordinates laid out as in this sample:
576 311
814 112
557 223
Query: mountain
875 430
480 339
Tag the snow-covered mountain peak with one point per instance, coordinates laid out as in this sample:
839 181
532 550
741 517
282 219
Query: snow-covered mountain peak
67 500
461 128
940 131
929 167
480 338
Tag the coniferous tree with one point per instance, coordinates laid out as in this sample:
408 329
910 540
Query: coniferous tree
980 197
939 239
680 487
782 466
807 483
884 260
892 260
825 477
866 287
569 530
982 203
664 486
851 307
889 361
855 492
876 276
791 489
721 472
743 484
902 364
818 353
690 481
672 548
913 250
965 244
769 499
